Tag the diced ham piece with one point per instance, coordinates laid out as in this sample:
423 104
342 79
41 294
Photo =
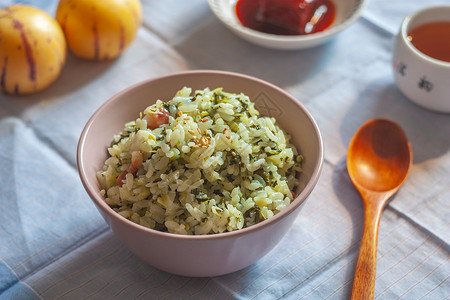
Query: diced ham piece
156 119
136 164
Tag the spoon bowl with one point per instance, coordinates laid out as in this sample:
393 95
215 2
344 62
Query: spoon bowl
379 156
378 161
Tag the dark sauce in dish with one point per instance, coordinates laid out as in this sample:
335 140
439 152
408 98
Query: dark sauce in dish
286 17
432 39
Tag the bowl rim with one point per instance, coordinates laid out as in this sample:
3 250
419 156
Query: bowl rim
328 32
405 27
100 203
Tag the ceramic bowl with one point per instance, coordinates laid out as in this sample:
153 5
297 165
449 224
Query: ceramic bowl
347 12
207 255
421 78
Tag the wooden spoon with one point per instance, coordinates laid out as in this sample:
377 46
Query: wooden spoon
378 161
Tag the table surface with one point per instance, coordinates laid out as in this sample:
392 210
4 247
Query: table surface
55 245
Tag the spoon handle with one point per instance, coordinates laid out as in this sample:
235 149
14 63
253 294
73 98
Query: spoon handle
364 280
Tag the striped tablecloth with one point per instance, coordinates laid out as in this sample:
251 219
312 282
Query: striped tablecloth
55 245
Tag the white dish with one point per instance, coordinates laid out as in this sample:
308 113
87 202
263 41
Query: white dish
347 12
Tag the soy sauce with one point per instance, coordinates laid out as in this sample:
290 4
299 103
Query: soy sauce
286 17
432 39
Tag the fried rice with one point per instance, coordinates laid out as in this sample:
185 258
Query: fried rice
203 162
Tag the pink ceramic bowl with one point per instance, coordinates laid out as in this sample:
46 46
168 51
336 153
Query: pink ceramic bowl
208 255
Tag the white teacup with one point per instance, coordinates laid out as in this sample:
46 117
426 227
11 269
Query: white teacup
423 79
